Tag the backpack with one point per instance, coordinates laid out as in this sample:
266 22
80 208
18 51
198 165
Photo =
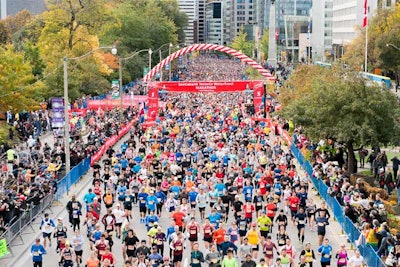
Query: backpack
108 199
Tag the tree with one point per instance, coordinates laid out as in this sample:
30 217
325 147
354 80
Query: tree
18 89
382 29
240 43
265 43
339 105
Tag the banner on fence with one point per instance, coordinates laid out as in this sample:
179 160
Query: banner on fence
110 142
3 248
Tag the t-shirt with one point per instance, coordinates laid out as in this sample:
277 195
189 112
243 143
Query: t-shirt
356 262
178 217
229 262
92 262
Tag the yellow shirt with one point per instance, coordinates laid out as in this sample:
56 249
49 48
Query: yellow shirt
252 235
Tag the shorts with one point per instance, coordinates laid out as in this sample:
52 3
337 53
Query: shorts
193 239
202 209
242 233
264 233
255 247
321 233
326 264
130 253
78 252
46 235
300 226
128 207
118 224
208 239
177 258
171 209
142 209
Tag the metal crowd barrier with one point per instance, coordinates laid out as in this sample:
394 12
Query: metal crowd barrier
26 219
64 185
371 258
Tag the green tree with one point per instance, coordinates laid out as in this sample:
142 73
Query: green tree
265 43
340 106
240 43
18 89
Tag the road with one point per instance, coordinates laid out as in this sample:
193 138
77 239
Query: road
334 231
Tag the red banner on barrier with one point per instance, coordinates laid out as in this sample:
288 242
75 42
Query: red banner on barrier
127 101
152 104
206 86
258 89
110 142
78 111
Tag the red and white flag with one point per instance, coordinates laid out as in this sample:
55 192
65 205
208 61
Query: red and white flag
365 19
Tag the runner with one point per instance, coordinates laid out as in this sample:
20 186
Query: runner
37 252
47 226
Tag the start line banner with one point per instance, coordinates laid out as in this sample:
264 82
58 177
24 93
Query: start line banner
207 86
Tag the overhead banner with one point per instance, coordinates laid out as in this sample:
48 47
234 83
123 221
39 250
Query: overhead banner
206 86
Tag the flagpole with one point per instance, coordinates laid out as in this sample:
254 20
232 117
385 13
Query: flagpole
366 49
366 22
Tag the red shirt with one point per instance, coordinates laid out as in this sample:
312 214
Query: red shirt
248 210
178 217
294 202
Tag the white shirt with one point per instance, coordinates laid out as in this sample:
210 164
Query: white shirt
355 261
119 215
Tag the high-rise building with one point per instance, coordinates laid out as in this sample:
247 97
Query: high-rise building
201 22
321 40
12 7
291 20
191 9
347 17
214 26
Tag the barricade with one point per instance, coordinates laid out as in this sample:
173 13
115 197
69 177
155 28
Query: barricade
72 177
371 258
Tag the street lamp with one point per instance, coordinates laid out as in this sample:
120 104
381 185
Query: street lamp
66 102
120 65
394 46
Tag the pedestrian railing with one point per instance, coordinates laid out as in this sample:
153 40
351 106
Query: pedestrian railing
371 258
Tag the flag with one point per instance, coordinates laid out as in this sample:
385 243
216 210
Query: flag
365 19
276 33
309 28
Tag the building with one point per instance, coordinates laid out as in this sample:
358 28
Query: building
214 27
201 22
12 7
291 19
321 41
191 9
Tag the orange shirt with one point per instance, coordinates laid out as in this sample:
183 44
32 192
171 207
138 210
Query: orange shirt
177 182
189 185
92 262
219 235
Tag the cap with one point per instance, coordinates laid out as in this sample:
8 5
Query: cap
155 223
60 219
118 205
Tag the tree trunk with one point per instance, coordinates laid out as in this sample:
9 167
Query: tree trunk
351 158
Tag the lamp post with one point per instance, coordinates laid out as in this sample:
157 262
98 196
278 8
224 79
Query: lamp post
120 71
66 102
392 45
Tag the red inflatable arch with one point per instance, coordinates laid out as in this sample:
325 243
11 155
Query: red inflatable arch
198 47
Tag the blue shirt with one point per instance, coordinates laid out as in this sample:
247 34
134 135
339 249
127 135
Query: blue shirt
37 252
220 188
161 197
142 199
326 253
192 196
248 192
151 202
175 190
214 219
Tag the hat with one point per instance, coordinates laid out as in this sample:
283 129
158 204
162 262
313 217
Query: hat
60 219
118 205
155 223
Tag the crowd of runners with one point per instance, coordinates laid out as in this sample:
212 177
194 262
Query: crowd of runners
207 186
